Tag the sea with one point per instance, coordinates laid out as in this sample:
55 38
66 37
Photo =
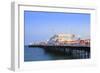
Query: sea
40 54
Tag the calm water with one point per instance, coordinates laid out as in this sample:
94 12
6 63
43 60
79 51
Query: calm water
39 54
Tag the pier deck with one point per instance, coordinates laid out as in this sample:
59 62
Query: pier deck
57 47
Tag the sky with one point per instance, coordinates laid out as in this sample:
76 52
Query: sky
40 26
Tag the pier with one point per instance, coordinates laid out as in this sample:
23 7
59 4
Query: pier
67 44
62 48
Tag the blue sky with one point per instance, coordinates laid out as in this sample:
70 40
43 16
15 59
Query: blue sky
40 26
